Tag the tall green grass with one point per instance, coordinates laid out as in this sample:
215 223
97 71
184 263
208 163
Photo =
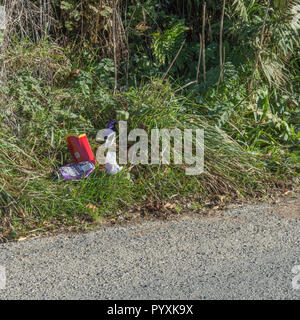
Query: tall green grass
37 112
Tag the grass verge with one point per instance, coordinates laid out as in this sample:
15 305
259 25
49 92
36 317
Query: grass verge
37 113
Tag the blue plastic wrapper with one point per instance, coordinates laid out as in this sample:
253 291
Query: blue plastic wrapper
111 125
76 171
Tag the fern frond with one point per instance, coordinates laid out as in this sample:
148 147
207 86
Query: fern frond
241 9
273 68
166 45
295 12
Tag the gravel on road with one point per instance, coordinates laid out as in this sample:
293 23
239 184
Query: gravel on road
246 253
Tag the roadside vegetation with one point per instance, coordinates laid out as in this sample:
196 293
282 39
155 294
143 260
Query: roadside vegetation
230 67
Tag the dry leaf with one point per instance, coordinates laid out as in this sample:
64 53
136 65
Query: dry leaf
22 239
169 205
21 214
91 207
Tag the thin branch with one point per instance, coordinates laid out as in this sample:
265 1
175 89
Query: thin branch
125 36
173 61
199 59
115 47
203 39
197 71
186 85
221 42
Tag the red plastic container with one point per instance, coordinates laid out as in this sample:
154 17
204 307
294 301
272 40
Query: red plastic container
80 148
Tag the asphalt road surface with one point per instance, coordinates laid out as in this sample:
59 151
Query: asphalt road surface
244 253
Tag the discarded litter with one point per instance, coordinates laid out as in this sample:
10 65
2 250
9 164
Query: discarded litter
109 136
111 163
110 129
111 125
80 148
76 171
85 159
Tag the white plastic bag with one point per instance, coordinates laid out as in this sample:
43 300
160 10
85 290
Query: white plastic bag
110 165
